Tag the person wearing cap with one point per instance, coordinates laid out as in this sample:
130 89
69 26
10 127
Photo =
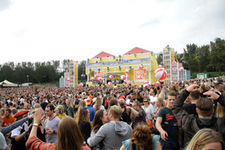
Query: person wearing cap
19 134
90 108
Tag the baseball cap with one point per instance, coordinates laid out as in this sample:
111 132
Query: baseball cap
89 101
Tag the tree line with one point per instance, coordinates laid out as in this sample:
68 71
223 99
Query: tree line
202 59
37 72
205 58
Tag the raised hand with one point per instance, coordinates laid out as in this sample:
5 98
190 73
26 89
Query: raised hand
193 87
212 95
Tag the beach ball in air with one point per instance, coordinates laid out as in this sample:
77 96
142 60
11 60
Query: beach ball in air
109 83
160 73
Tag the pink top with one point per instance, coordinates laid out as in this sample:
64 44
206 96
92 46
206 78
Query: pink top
34 143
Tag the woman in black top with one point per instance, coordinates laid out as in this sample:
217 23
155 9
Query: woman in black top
84 122
126 112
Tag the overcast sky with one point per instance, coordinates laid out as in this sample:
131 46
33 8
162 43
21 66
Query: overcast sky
45 30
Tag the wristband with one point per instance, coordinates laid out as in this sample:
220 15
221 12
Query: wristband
35 124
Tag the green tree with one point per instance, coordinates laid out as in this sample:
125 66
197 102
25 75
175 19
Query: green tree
19 74
56 64
6 72
81 69
190 57
180 57
160 59
202 57
217 54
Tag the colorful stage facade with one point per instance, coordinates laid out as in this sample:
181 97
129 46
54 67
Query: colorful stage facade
138 65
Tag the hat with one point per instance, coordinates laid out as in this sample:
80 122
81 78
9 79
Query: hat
89 101
20 113
121 97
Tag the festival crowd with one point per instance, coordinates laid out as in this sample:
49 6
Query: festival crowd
184 115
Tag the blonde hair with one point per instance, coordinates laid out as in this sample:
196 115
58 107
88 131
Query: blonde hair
220 111
82 104
60 109
36 105
161 101
203 137
70 102
82 115
98 103
116 111
204 87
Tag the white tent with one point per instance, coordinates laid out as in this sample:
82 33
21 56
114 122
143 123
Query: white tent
6 83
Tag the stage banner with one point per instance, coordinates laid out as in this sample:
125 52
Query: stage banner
140 75
99 74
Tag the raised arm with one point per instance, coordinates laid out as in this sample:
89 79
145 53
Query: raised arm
6 130
177 108
136 113
216 97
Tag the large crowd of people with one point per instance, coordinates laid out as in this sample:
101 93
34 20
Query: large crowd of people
183 115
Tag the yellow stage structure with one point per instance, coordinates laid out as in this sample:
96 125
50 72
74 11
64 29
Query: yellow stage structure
105 64
168 57
73 73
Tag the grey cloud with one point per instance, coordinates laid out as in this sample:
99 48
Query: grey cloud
5 4
209 18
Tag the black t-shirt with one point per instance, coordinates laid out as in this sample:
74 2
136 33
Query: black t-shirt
169 123
85 128
125 117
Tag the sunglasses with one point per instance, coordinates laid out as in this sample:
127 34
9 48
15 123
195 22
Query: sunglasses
145 101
